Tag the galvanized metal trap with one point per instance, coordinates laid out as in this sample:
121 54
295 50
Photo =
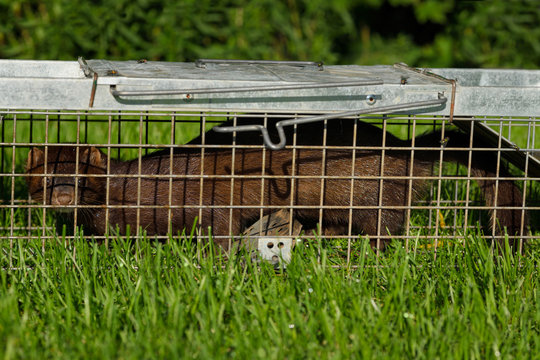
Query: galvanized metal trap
134 107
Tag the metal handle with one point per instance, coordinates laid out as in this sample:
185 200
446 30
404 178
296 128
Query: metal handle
201 63
236 89
280 124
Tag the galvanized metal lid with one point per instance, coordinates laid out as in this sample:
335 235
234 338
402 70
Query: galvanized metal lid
255 86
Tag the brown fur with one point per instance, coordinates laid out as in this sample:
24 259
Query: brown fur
276 192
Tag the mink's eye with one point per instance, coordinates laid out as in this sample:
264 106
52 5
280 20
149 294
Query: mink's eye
79 181
49 181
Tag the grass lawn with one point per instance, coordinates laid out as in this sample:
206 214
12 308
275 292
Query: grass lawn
164 301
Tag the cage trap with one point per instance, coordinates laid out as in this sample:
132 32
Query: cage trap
339 148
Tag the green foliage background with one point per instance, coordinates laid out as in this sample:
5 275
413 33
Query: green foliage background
425 33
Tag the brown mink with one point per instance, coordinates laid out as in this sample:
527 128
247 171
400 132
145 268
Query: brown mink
247 187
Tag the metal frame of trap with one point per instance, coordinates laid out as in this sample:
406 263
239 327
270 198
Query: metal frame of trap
311 91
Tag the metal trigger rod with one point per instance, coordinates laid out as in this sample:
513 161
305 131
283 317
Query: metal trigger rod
441 100
237 89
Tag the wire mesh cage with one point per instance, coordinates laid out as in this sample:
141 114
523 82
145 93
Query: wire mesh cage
297 150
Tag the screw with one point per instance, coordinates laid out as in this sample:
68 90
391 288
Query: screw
370 99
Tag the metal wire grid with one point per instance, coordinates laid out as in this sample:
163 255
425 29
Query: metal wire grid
38 223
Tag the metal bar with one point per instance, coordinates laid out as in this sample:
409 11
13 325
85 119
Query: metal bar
139 180
381 189
93 92
322 177
235 89
201 187
229 147
351 193
497 172
293 180
410 184
331 177
256 206
12 191
524 198
201 63
216 113
322 237
108 180
280 124
77 165
231 197
171 166
438 199
30 138
263 172
45 156
33 203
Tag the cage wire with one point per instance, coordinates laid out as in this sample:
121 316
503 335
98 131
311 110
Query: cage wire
141 160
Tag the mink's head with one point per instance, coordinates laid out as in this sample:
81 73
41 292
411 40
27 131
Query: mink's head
61 183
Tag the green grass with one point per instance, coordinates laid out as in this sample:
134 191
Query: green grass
163 301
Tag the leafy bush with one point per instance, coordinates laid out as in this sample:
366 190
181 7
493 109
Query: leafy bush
426 33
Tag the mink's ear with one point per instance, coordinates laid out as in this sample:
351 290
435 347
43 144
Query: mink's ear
35 157
96 158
